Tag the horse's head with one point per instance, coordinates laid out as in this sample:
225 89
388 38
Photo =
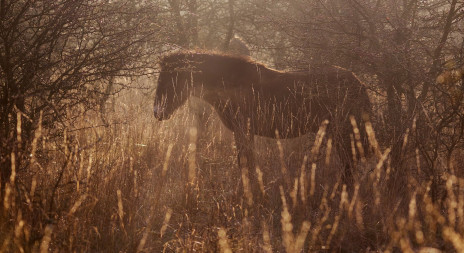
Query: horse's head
171 93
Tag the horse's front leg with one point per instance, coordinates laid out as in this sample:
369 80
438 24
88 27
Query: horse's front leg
245 145
246 163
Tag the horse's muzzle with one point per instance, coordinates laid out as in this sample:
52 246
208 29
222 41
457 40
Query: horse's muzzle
159 112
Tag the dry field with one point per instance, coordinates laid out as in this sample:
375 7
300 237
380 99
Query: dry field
139 185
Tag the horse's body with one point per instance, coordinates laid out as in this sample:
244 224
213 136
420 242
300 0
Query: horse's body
252 99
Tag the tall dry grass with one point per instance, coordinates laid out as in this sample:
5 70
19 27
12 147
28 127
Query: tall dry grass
139 185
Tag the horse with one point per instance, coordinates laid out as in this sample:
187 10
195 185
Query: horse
254 100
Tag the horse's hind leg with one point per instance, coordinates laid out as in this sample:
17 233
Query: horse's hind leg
345 151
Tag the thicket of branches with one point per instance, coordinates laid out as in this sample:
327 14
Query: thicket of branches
60 58
401 47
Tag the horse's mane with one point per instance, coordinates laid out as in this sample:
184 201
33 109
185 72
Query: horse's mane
182 55
188 60
183 58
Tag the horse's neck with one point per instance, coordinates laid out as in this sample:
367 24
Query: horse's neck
208 94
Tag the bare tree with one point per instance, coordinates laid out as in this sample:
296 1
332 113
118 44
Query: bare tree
403 45
59 56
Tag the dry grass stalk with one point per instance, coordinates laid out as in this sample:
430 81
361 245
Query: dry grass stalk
223 241
378 173
79 202
412 211
353 201
33 186
292 243
451 199
357 136
166 161
267 247
388 170
294 193
418 234
120 209
5 244
456 239
319 225
259 174
65 142
19 226
405 245
37 134
342 204
143 240
79 172
460 208
18 129
303 180
13 169
318 142
433 216
328 152
287 226
167 217
89 167
399 237
405 141
7 198
429 219
44 245
283 167
359 215
312 188
301 238
353 149
334 190
418 165
372 140
246 186
192 153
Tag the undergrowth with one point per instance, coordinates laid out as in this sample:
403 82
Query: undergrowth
138 185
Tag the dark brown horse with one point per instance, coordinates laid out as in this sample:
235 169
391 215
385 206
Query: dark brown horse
252 99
